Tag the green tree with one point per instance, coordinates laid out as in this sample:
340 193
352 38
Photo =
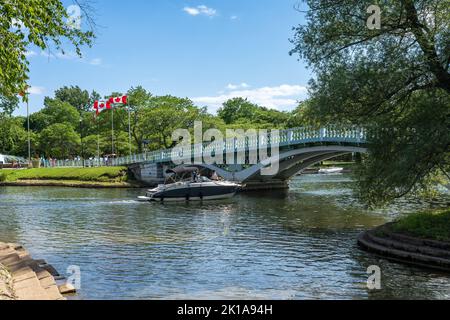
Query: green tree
25 23
394 77
138 100
270 118
54 111
93 142
236 108
12 135
80 99
8 104
60 140
165 115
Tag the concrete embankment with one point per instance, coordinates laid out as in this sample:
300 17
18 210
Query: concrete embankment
23 278
399 247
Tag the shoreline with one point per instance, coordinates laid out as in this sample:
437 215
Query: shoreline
407 249
23 278
72 184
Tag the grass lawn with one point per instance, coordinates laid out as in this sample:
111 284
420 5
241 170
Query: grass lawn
101 174
431 225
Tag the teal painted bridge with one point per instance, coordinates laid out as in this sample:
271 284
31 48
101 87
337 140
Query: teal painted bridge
296 150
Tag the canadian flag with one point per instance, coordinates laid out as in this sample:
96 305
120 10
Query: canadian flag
99 106
118 100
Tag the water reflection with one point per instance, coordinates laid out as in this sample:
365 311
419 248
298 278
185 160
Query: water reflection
296 244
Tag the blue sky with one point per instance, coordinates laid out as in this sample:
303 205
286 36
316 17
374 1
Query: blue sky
207 50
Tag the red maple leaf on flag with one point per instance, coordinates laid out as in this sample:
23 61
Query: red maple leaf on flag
99 106
118 100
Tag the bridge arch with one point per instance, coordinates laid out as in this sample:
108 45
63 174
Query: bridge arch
291 162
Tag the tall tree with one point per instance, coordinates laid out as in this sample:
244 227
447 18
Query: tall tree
40 23
76 97
383 77
236 108
54 111
12 135
166 114
60 140
138 100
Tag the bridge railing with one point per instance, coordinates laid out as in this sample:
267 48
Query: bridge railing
300 135
294 136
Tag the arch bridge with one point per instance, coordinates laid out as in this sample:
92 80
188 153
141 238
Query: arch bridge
298 149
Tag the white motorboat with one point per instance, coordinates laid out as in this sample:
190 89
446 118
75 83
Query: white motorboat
331 170
197 188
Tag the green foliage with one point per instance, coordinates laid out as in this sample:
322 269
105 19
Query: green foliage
60 140
407 152
101 174
54 111
167 114
76 97
12 135
430 225
236 108
24 23
241 112
395 80
90 145
8 104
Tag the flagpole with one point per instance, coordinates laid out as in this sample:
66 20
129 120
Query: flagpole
98 142
129 129
28 128
112 130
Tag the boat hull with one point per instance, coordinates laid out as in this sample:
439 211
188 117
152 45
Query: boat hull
192 192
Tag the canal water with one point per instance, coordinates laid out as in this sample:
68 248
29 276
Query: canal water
299 244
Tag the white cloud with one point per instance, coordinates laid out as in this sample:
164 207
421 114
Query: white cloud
233 17
237 86
95 62
69 55
35 90
283 97
191 11
30 53
200 10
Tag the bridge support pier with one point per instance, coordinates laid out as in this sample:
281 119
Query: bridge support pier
149 174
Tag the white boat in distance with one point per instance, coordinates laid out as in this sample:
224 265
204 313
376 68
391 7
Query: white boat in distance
196 188
331 170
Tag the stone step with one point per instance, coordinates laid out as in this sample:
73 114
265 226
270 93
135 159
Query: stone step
427 261
385 229
408 247
31 279
30 289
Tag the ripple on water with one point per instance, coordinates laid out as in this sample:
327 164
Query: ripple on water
270 245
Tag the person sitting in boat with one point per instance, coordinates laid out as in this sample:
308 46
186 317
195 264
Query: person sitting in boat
214 176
